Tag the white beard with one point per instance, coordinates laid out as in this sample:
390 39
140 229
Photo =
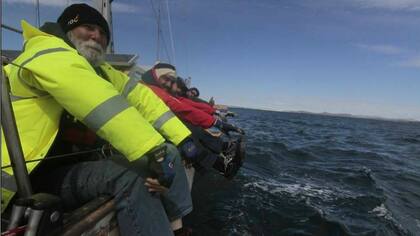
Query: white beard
90 49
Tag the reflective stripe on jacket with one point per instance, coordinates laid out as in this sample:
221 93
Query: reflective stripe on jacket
148 104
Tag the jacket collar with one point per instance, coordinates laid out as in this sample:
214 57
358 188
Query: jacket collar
55 30
148 78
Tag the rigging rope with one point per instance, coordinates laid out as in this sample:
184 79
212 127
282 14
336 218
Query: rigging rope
166 49
160 33
102 149
185 35
11 28
170 31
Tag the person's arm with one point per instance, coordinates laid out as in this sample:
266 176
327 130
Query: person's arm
184 111
149 105
73 83
199 105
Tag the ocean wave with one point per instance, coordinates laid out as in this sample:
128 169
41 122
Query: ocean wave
303 190
411 140
308 200
328 201
382 211
303 172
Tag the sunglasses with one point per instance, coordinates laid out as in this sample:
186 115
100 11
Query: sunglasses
170 79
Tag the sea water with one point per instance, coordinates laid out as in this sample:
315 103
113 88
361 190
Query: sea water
308 174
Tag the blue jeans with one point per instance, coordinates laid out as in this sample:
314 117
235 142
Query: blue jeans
138 211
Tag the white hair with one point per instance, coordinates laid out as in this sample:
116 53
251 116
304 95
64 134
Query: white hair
89 49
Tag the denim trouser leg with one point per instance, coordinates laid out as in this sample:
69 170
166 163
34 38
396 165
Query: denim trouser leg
138 212
177 201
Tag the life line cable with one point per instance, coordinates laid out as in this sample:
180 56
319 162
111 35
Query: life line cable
106 150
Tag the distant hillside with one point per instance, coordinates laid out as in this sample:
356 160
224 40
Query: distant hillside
333 114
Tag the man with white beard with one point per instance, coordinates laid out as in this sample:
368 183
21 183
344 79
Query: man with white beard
93 51
62 68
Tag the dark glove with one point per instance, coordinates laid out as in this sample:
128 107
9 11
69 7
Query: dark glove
211 101
161 163
231 114
189 151
226 127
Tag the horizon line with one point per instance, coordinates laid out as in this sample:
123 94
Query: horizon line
326 113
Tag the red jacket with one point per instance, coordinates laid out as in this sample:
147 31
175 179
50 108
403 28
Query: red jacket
199 105
184 110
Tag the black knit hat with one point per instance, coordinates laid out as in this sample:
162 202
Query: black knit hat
196 91
148 78
164 65
180 82
163 69
79 14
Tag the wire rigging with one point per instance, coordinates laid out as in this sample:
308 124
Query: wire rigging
185 36
160 32
170 31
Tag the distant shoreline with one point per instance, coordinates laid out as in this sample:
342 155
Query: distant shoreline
331 114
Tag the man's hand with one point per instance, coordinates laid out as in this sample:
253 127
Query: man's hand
161 163
189 151
211 101
154 186
226 127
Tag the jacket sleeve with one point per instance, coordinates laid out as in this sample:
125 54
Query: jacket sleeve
68 77
149 105
199 105
184 111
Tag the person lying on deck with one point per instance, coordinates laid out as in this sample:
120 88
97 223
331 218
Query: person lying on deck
62 67
180 89
194 94
190 95
162 80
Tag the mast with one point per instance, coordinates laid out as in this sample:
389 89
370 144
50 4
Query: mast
104 7
38 18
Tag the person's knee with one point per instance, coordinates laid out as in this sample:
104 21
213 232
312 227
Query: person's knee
128 182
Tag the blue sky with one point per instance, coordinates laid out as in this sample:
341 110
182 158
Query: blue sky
352 56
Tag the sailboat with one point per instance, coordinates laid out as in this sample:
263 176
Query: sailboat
41 213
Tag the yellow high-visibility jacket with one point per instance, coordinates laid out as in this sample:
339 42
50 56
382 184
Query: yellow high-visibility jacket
50 76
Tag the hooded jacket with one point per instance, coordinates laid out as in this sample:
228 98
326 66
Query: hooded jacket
50 76
199 105
182 109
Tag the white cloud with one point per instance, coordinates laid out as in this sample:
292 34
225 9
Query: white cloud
382 48
411 5
123 7
116 6
413 63
393 5
52 3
